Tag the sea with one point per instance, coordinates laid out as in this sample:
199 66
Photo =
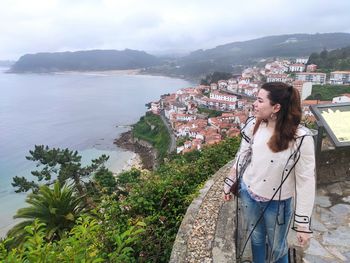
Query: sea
83 111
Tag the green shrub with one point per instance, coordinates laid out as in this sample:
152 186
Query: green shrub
328 92
141 226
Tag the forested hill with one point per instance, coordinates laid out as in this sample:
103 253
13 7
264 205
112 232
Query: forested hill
84 61
282 45
231 56
338 59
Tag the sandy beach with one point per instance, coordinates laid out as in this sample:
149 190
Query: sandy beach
134 162
102 73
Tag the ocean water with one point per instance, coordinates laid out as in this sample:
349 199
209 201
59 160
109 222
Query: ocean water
80 111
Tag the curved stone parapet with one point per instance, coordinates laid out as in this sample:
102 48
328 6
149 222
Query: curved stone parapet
206 232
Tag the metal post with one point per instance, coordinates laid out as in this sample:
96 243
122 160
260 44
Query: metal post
318 145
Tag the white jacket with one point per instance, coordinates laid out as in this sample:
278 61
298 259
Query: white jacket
279 176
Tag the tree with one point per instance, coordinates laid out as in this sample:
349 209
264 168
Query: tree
60 165
215 77
324 54
318 97
105 180
58 208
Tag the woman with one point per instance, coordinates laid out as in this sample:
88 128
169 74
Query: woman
275 171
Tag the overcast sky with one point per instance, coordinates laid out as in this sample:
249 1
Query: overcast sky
31 26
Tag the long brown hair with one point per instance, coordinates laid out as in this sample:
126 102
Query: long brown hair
288 117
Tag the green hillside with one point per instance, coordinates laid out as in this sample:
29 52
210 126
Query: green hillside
234 56
326 61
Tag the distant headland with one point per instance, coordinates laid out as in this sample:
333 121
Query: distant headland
91 60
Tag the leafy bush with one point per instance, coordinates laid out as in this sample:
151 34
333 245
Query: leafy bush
57 208
338 59
85 242
163 196
139 227
328 92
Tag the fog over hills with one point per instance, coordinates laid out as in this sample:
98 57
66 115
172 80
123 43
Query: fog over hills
235 55
228 57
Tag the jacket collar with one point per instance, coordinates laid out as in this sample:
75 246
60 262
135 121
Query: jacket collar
303 131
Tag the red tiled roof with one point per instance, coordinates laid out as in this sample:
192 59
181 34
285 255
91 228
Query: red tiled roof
314 102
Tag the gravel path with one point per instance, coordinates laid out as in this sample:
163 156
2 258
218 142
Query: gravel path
199 238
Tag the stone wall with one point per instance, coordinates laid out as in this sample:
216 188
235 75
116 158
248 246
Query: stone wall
334 166
215 245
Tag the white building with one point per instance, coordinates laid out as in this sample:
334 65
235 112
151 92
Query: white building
244 81
316 78
168 112
301 60
223 97
297 67
251 91
222 84
220 104
178 107
213 86
341 99
232 87
185 117
340 77
277 78
232 81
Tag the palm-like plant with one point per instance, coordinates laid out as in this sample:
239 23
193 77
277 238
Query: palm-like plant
57 208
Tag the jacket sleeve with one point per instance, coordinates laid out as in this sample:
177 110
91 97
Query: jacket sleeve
305 185
246 133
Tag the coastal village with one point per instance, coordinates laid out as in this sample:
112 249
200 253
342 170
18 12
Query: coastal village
188 110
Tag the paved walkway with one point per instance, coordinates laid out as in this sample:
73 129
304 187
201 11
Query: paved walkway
206 233
331 224
172 146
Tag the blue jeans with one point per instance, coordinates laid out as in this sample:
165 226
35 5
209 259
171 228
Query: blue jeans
273 224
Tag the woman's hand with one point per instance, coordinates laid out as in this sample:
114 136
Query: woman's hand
303 238
227 197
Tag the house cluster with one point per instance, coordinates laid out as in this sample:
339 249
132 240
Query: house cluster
187 109
287 71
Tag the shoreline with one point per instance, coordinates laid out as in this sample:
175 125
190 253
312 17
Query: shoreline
134 162
111 72
86 72
144 150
